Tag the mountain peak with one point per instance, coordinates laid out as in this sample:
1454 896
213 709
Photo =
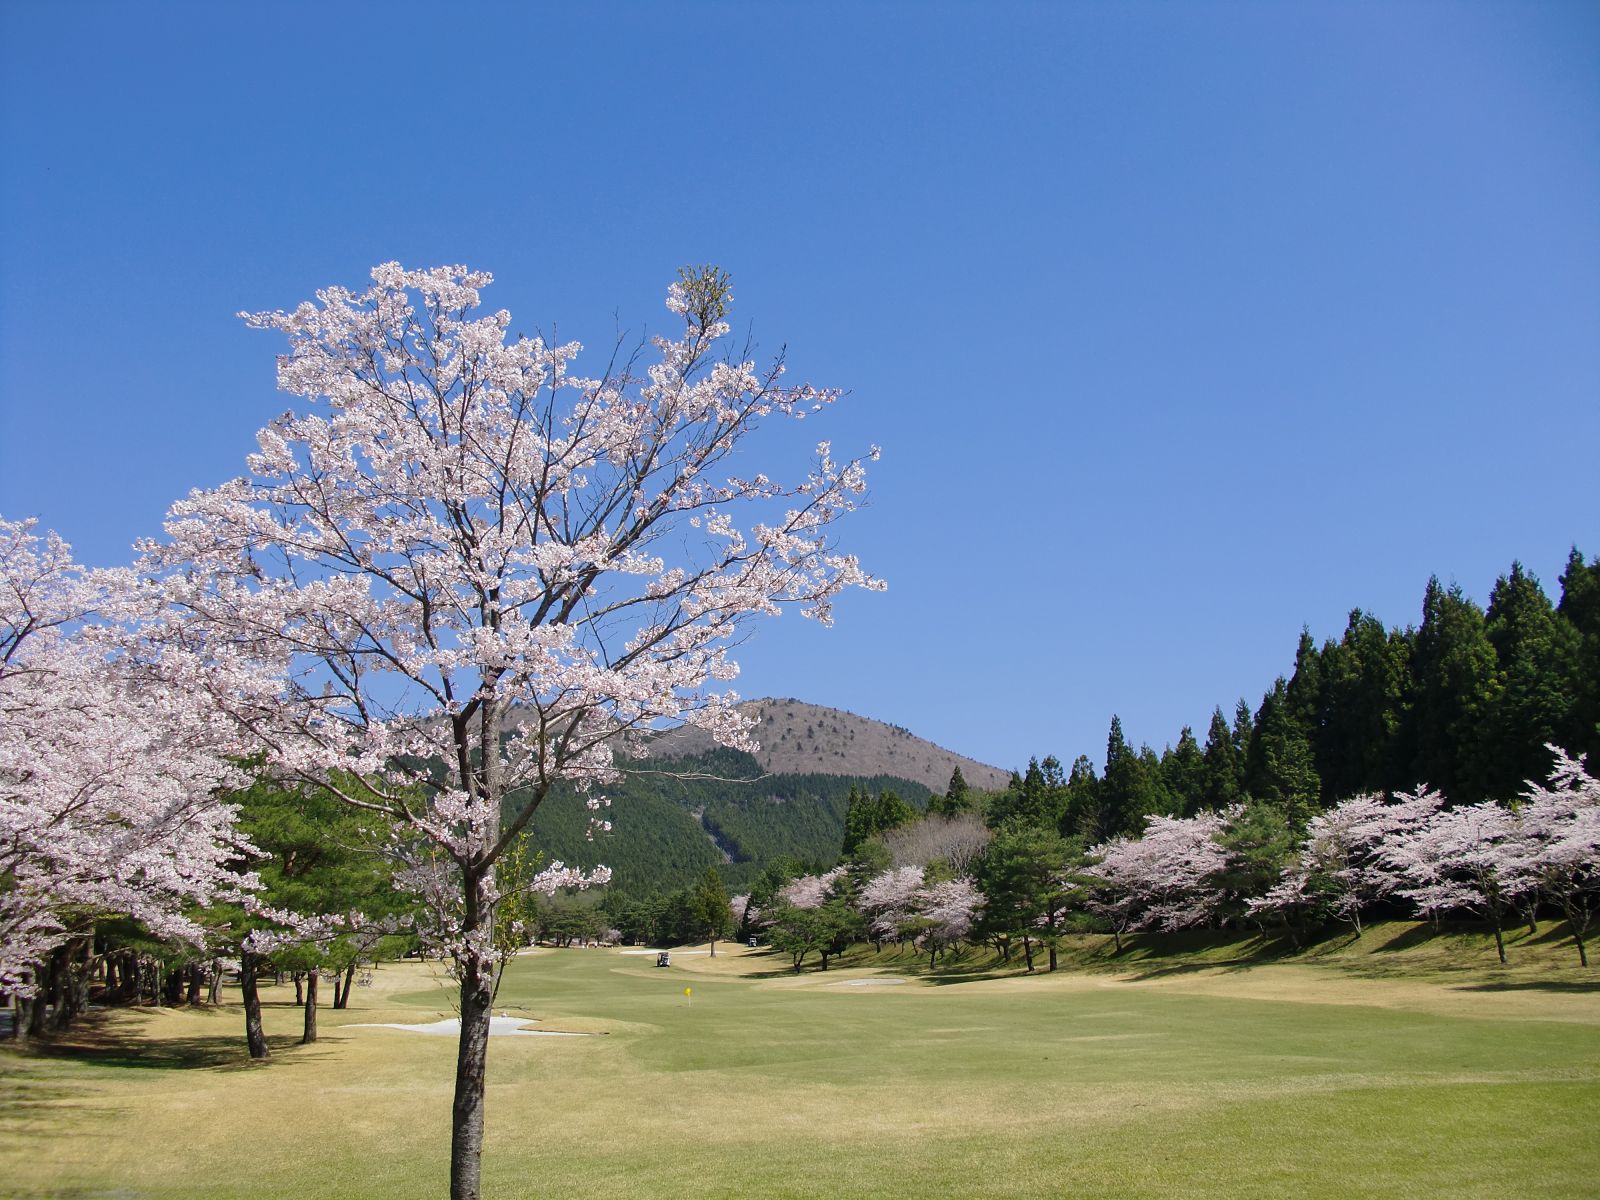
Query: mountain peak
800 738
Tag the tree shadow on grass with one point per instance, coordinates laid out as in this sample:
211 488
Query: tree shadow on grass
103 1038
1532 985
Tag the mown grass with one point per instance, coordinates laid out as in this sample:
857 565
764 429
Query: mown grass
1392 1067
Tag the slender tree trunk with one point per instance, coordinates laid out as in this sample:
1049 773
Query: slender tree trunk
310 1034
1499 942
1116 937
1052 956
472 1055
194 983
253 1036
215 995
299 987
1027 952
338 990
349 982
713 947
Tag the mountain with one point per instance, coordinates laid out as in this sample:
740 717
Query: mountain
801 738
692 805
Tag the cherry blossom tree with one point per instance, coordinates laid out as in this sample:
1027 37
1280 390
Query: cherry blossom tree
1471 858
461 573
1561 822
947 910
889 902
1342 867
1163 880
107 776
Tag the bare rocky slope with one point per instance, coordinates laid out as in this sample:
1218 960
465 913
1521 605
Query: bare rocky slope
800 738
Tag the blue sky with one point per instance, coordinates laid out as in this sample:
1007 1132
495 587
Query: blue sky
1181 325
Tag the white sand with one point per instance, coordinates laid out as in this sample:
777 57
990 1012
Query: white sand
451 1027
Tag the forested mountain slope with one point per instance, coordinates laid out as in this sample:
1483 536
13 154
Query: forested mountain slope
673 818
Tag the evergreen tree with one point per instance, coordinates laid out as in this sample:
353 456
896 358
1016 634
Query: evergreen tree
1131 788
958 798
1279 769
1580 609
1183 772
1537 655
1366 677
712 912
1222 770
1458 685
1027 881
1243 727
1081 813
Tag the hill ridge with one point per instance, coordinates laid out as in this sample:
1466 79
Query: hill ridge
797 737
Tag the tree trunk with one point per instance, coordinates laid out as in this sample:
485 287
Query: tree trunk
472 1055
215 995
310 1034
1116 936
713 947
349 982
194 983
1499 942
1027 952
299 988
253 1036
1052 956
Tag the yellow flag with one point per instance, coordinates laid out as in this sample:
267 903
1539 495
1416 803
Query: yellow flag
688 991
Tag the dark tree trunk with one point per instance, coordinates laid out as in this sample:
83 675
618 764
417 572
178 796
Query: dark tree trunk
215 995
310 1034
299 988
257 1041
349 981
1052 956
194 983
472 1056
338 990
1027 952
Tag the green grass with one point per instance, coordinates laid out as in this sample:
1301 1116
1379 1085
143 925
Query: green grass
1391 1067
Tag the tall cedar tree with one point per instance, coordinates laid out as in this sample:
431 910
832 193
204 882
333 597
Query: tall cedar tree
1278 767
1183 770
1222 771
1537 654
1580 606
1458 688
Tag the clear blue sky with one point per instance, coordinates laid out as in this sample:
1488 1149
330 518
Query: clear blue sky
1181 325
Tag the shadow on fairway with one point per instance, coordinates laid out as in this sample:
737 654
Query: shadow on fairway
1532 985
95 1038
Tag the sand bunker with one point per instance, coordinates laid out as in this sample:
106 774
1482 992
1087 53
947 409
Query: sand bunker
451 1027
867 983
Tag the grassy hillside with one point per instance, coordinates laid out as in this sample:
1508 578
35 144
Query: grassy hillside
673 818
1313 1077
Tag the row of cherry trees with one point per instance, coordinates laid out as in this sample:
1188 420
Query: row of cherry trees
948 879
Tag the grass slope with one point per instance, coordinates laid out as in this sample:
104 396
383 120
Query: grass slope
1378 1069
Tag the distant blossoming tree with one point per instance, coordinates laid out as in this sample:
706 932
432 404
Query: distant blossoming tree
1164 880
462 573
107 776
